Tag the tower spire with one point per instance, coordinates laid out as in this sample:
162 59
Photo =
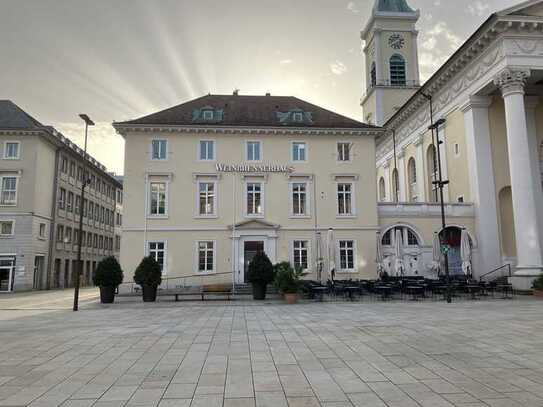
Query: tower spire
393 6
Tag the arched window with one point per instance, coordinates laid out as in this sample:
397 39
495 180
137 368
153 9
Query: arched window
412 176
397 70
395 186
409 237
373 75
382 191
432 173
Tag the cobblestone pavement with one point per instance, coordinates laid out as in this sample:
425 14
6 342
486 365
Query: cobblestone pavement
468 354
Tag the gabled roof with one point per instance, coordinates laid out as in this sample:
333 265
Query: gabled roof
13 117
526 8
248 111
393 6
255 224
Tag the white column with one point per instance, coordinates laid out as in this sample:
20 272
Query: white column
388 191
483 186
378 57
419 165
401 174
529 259
415 56
531 102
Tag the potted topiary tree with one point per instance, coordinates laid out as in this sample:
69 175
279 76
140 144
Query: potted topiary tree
108 275
538 286
260 273
149 276
288 281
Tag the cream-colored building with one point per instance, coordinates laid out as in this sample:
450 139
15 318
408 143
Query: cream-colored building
40 200
489 94
209 183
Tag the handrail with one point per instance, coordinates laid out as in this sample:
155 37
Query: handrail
508 266
165 285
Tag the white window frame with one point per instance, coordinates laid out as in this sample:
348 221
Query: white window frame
353 200
197 257
297 117
262 199
165 152
149 192
15 201
355 256
259 142
215 200
12 234
309 254
307 213
44 236
6 149
460 197
214 143
292 155
205 112
165 242
351 145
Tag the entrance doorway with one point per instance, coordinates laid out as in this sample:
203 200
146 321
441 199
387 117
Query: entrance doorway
250 249
452 236
39 261
7 264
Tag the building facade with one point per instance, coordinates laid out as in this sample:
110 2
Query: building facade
490 143
42 174
213 181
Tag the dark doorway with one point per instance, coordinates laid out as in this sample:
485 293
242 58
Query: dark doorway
250 249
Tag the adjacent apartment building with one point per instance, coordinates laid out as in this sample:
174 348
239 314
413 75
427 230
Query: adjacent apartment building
41 174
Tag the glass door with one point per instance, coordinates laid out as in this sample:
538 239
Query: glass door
250 249
6 274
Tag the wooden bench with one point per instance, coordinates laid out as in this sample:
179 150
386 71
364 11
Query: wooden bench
218 289
178 293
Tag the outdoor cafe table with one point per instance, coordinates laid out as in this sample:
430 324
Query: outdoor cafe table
350 290
320 292
385 291
416 291
473 289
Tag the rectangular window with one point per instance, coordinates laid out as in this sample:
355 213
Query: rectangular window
346 255
62 199
344 152
72 169
297 117
159 148
157 250
11 150
207 150
68 235
206 198
299 199
206 254
254 199
208 114
95 241
70 206
64 165
460 199
117 243
83 239
253 151
6 228
9 191
42 230
158 198
300 254
344 199
89 240
101 242
299 151
60 233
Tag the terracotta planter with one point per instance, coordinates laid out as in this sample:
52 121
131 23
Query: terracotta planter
538 294
291 298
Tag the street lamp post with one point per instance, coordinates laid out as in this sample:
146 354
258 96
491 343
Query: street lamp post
441 183
88 122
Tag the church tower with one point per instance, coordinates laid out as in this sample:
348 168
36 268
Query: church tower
391 57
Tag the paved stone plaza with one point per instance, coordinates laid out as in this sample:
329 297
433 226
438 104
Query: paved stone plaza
479 353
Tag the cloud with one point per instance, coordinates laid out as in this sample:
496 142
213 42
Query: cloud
478 8
285 61
338 67
351 6
436 45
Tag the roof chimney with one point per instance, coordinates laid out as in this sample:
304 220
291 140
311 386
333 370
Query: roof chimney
268 94
236 92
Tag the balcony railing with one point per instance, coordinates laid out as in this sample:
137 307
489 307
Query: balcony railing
393 84
424 209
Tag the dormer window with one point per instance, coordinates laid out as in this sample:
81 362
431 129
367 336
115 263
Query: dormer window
297 117
207 115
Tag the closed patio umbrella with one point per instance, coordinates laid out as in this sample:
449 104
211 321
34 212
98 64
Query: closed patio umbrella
331 249
379 256
319 260
465 253
436 254
398 254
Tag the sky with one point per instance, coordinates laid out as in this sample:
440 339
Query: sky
121 59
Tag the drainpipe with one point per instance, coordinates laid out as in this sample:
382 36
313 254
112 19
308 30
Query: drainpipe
52 227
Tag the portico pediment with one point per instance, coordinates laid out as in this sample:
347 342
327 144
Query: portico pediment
255 224
528 8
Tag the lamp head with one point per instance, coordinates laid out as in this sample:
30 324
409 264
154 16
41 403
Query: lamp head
86 119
